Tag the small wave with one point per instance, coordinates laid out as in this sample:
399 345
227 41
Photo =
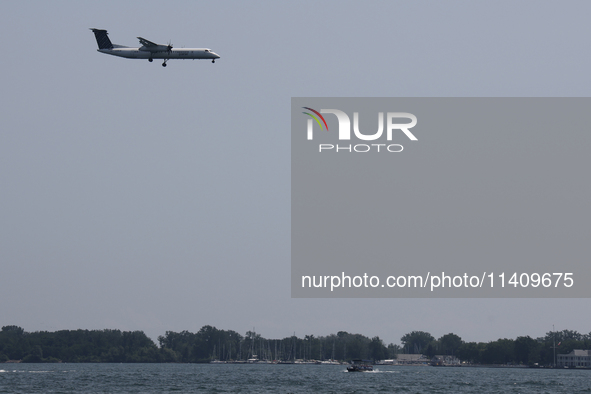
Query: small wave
1 370
374 371
378 371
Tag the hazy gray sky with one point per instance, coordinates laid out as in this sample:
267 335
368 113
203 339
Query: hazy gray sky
139 197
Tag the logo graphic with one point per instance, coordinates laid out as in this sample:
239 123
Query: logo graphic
315 118
344 132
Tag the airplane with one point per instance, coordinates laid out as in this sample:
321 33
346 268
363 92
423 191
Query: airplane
150 50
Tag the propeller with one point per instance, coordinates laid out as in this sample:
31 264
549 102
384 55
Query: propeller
169 46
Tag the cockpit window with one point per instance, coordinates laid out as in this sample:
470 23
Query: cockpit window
207 50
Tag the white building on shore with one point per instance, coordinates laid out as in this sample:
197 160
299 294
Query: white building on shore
412 359
576 358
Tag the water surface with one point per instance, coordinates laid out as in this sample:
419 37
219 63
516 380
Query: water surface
236 378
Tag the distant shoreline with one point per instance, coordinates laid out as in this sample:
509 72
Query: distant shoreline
210 344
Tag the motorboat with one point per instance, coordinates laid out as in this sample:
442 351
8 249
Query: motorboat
360 366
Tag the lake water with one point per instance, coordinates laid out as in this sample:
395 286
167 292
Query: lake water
236 378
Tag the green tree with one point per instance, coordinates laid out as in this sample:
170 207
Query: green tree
449 344
526 350
431 349
415 341
377 349
34 356
13 330
470 352
499 352
393 350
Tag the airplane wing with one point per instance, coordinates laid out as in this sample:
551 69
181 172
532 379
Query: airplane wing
147 43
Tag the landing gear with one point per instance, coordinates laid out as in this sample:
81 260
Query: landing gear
150 60
164 63
213 61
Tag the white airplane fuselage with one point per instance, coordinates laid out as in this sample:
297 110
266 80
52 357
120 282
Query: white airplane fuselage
174 53
150 50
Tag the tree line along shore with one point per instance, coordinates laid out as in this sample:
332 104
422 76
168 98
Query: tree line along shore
210 343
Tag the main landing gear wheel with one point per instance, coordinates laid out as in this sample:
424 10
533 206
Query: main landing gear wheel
150 60
164 64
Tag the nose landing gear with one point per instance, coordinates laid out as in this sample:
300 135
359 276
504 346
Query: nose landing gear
164 63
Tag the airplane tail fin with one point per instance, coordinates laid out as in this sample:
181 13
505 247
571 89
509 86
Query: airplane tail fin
102 39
